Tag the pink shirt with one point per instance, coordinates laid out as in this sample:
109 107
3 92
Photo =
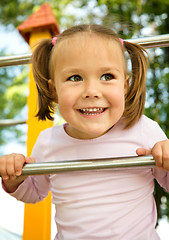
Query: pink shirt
99 204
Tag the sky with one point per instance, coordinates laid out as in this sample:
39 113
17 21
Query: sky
12 41
10 208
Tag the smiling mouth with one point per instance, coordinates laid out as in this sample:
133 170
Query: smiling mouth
92 111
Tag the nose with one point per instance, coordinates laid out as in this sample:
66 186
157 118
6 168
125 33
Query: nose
92 89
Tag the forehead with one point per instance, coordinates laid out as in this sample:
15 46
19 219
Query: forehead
88 46
81 41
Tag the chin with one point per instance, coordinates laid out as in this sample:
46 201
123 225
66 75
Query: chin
97 134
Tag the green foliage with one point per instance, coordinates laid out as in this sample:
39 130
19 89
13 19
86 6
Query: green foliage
13 12
15 96
13 88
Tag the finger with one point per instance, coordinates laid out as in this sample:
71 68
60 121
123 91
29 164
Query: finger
3 167
143 151
165 156
29 160
157 155
19 162
10 167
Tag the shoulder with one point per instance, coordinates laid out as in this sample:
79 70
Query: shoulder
149 125
145 133
45 141
48 133
150 130
51 136
147 120
144 124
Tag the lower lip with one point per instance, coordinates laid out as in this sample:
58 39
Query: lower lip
94 115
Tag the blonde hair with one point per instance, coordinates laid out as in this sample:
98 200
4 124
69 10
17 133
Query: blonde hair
43 70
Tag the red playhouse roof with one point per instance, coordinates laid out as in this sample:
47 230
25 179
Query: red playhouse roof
42 19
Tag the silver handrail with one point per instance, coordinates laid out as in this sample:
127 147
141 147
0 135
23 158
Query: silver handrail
11 122
15 60
152 42
147 42
46 168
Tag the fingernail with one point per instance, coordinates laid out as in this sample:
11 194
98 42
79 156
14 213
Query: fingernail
18 173
27 159
5 177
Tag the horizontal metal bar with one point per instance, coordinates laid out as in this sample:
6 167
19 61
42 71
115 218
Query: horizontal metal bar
152 42
11 122
147 42
15 60
81 165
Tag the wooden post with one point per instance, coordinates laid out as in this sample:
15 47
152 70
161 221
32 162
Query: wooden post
37 217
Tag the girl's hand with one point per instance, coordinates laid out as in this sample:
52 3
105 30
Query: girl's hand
160 153
11 169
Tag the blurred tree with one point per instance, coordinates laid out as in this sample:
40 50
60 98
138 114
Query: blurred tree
131 19
158 84
13 91
14 16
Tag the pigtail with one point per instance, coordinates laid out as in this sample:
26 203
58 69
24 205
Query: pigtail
40 65
135 97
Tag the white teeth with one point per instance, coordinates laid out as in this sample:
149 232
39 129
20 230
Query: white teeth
91 109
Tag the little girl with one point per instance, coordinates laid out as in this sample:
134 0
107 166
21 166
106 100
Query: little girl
84 71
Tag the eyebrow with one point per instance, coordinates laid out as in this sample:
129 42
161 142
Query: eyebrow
109 69
71 70
102 69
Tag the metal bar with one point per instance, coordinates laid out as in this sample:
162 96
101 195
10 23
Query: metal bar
15 60
11 122
152 42
81 165
147 42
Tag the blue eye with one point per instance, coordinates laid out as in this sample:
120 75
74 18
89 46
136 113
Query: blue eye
75 78
107 77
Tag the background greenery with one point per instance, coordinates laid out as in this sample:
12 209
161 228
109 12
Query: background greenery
131 19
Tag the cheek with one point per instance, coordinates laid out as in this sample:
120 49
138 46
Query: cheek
65 101
117 97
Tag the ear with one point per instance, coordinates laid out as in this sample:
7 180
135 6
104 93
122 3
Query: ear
53 90
126 84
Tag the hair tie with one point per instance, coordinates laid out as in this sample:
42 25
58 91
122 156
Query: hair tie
54 41
122 41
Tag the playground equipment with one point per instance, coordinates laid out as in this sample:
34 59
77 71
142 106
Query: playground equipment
41 24
40 213
81 165
146 42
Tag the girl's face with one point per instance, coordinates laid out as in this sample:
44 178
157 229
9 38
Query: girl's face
90 84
